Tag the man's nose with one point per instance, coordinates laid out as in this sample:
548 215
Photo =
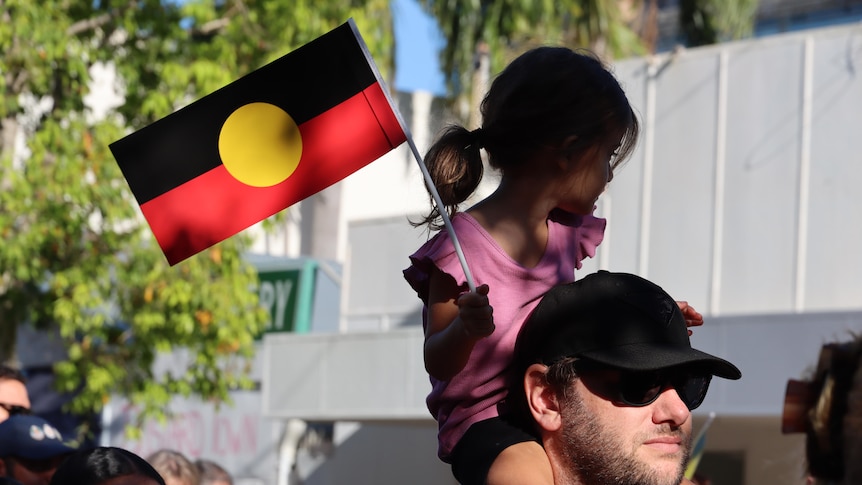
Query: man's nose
670 408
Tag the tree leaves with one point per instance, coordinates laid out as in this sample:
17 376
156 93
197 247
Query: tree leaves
77 259
506 28
709 21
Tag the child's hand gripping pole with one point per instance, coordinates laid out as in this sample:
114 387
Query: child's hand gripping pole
442 210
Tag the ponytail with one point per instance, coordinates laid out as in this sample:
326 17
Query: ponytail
455 165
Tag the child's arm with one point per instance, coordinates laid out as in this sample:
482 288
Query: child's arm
692 317
455 323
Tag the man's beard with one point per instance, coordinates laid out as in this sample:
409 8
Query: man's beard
598 457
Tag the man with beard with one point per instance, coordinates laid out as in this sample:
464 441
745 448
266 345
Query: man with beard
605 375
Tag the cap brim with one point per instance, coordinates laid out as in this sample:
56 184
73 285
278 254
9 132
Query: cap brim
44 450
648 357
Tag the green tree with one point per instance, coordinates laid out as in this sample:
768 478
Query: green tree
501 29
76 255
704 22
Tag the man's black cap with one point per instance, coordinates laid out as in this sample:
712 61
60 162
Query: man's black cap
616 319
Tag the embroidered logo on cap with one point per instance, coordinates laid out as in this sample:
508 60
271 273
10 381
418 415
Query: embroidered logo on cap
51 432
45 431
36 433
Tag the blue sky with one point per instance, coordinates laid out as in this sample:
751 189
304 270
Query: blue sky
418 41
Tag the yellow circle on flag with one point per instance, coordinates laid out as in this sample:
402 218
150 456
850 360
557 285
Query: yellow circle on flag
260 144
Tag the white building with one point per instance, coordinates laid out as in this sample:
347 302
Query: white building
742 199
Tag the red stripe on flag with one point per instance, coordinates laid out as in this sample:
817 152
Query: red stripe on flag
379 104
215 206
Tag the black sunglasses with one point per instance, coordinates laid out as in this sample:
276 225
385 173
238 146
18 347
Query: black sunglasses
14 409
643 388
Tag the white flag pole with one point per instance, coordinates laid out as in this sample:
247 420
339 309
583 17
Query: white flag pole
432 189
447 223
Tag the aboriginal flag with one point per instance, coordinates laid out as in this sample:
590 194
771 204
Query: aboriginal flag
260 144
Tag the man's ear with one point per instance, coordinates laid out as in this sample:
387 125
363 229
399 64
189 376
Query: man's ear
541 398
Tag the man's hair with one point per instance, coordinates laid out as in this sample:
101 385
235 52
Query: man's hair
97 465
11 374
559 377
175 468
211 472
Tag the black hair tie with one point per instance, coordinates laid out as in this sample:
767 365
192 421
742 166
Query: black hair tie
478 138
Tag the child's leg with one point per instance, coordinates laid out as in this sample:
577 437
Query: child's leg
521 463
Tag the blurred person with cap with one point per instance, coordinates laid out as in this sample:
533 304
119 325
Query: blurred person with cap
604 374
827 407
30 449
14 398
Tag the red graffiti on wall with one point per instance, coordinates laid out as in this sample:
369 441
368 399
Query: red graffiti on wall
197 434
234 436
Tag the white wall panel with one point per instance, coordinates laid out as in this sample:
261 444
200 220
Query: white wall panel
347 377
681 232
762 178
834 256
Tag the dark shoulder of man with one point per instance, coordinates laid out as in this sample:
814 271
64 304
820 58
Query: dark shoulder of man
9 481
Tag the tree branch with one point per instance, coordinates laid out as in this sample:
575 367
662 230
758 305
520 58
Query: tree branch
90 24
211 28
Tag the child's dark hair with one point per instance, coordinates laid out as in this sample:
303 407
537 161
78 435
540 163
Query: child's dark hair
98 465
543 97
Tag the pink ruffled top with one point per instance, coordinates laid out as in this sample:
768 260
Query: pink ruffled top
473 394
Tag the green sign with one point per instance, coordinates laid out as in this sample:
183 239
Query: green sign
278 293
288 294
